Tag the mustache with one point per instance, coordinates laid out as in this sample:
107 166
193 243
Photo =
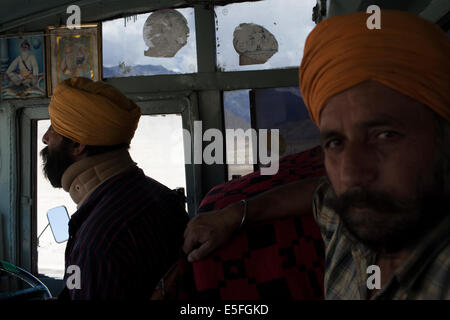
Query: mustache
44 151
44 154
363 198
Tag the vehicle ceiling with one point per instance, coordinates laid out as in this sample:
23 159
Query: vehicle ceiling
34 15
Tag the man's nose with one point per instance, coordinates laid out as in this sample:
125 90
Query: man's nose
45 138
358 166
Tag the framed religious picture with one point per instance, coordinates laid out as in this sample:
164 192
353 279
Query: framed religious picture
73 53
22 71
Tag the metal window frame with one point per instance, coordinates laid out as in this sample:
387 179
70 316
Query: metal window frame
204 92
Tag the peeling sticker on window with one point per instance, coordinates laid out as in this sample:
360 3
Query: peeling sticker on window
165 33
254 44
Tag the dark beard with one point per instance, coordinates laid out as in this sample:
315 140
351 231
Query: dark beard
391 224
55 163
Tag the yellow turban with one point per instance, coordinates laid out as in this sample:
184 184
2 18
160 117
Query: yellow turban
93 113
408 54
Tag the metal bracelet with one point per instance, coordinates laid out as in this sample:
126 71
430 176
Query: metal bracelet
244 216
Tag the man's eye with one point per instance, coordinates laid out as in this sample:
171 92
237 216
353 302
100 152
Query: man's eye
387 134
333 144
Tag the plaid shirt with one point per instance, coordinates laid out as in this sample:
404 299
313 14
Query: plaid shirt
425 275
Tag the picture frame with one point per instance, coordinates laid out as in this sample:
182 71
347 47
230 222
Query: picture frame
73 53
22 66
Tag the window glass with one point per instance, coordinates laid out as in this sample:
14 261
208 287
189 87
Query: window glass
284 109
267 34
157 148
50 253
161 42
236 108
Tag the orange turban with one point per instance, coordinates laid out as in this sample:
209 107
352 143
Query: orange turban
93 113
408 54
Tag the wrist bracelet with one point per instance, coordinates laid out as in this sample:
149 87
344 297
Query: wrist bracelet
244 216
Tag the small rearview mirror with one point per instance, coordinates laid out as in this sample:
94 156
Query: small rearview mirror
58 218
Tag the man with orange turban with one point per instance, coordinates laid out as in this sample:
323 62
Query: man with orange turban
381 99
128 227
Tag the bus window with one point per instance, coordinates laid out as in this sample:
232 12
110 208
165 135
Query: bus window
272 108
283 109
284 33
157 148
138 47
50 254
236 109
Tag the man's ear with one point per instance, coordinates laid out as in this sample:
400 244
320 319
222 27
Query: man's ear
78 151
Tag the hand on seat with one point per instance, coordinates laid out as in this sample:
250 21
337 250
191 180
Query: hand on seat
208 231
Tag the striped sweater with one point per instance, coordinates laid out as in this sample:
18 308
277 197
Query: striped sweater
124 237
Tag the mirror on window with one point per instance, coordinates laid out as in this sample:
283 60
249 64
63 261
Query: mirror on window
58 218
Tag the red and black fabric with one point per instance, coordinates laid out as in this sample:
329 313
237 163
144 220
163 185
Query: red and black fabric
279 259
291 168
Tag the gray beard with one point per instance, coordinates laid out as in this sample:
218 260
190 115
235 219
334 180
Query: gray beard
25 55
391 224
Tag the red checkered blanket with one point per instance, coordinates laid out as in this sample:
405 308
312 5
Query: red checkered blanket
279 259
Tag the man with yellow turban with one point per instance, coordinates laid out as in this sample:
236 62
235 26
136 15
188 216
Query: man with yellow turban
128 227
381 99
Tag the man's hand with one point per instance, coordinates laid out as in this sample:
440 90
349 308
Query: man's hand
25 74
208 231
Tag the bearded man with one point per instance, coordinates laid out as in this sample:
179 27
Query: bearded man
23 71
381 99
128 228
